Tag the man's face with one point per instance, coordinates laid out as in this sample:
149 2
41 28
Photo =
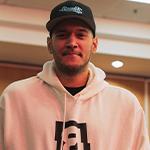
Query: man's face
72 44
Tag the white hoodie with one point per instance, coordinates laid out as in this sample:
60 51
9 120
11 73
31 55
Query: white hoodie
38 113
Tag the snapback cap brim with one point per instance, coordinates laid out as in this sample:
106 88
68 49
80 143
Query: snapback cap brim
52 23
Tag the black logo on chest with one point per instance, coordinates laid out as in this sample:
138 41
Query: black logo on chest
74 136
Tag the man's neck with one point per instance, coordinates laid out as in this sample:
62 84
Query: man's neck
77 80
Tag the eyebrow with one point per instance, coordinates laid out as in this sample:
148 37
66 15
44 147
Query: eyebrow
83 29
60 30
78 30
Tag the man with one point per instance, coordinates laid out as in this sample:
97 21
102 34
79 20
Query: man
68 105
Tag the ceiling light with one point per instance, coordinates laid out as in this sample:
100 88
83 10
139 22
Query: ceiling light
141 1
117 64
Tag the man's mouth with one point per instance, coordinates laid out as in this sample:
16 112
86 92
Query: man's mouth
72 53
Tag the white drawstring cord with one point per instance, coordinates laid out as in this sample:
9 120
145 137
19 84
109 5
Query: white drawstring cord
65 107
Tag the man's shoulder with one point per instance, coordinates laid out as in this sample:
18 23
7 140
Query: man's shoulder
122 96
21 84
119 90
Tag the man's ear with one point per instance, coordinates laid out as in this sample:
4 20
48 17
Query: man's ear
49 45
95 44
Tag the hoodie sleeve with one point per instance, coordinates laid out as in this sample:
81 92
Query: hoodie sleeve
1 124
141 132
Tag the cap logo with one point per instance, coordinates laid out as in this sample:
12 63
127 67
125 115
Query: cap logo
75 9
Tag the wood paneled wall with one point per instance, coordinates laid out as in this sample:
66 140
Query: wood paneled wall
11 73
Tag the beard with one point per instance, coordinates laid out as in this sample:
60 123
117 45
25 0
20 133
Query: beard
71 70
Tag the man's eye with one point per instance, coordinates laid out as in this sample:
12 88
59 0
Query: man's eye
61 35
81 35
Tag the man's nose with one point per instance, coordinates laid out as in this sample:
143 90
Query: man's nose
71 42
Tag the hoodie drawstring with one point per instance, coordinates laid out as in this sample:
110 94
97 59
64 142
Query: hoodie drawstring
64 118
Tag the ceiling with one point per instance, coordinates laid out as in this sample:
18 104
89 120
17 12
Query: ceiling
116 9
112 18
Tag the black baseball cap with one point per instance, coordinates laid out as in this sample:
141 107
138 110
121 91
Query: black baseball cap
71 10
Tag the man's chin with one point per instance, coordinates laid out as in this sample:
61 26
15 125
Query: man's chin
70 69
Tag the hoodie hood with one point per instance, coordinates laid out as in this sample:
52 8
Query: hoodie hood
95 82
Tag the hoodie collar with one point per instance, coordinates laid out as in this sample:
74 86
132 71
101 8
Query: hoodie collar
94 85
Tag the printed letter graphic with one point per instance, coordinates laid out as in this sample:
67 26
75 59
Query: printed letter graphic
72 136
